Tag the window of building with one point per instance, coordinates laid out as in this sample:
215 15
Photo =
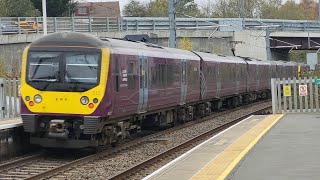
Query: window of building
82 10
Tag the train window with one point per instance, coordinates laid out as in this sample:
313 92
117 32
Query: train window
81 67
131 79
44 66
117 75
162 75
170 74
154 77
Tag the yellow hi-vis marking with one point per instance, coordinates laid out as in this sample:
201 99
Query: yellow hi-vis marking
221 166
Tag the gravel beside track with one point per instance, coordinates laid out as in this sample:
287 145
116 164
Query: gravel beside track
109 166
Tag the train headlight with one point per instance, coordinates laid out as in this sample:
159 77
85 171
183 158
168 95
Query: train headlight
42 124
95 100
37 98
84 100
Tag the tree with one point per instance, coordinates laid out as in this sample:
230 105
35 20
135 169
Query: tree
291 10
185 43
3 70
270 9
232 8
159 8
187 8
135 9
57 8
16 8
207 9
309 9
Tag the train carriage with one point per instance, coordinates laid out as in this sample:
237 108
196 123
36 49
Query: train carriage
81 91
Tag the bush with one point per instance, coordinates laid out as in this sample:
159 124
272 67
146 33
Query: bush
3 69
312 74
185 43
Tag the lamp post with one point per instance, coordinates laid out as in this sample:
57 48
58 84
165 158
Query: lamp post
243 13
319 10
44 14
172 21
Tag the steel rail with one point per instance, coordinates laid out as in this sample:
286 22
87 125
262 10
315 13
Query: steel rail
18 162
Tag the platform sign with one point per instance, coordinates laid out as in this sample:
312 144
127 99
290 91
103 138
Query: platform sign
287 90
317 82
303 90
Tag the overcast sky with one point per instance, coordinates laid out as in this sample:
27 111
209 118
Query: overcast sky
123 2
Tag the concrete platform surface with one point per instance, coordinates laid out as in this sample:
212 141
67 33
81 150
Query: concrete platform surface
216 157
289 151
10 123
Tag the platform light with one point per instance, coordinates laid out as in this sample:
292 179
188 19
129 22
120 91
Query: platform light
84 100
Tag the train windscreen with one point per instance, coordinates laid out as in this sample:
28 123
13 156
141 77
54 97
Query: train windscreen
62 69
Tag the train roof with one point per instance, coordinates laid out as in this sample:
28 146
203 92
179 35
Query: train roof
72 39
210 57
75 39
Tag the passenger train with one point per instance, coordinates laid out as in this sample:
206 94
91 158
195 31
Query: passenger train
82 91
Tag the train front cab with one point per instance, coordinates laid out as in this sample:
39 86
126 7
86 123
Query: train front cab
63 91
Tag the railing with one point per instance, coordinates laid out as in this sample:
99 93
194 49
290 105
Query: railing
9 98
24 25
295 95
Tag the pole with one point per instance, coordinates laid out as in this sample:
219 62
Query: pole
44 14
308 36
172 20
319 10
268 44
242 13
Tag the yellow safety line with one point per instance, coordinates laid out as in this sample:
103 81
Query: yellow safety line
247 149
216 166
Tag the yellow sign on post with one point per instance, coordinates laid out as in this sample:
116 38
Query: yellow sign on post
287 90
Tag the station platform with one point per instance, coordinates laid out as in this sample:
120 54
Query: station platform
10 123
259 147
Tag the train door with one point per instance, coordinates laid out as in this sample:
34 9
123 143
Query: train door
143 83
183 81
237 77
258 78
218 80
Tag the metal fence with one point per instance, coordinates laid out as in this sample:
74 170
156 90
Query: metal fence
25 25
295 95
9 98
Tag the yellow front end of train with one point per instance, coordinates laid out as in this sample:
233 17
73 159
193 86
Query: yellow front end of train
63 101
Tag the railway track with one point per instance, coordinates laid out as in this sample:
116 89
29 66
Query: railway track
40 166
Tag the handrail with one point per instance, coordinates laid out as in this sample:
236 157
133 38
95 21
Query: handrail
25 25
